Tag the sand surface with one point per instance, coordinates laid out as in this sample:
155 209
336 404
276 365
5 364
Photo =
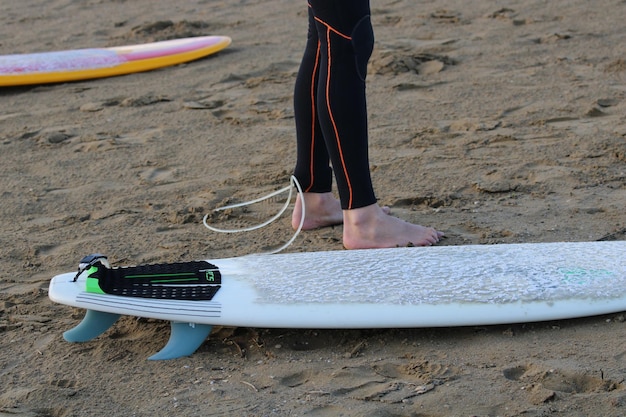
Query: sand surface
496 122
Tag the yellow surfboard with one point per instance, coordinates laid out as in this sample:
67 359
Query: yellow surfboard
83 64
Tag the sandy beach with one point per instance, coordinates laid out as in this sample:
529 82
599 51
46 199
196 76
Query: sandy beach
495 122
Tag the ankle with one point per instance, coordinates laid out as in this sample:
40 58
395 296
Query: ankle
320 210
362 215
315 200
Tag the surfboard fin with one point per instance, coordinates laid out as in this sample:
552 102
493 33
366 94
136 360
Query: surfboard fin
93 325
185 339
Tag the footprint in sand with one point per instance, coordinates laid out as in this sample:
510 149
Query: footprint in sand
504 14
54 135
572 382
140 101
105 141
394 61
390 383
235 104
446 16
295 379
157 175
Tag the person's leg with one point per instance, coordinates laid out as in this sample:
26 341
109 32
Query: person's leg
314 120
346 40
312 165
345 44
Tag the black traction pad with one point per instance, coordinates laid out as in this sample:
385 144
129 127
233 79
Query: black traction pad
197 280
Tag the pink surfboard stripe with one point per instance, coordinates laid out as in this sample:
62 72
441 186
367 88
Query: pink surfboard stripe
164 48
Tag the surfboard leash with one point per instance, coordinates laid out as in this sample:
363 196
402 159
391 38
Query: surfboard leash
292 183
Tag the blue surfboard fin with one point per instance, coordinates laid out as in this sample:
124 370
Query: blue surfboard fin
93 325
185 338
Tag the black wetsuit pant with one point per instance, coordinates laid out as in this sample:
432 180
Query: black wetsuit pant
330 105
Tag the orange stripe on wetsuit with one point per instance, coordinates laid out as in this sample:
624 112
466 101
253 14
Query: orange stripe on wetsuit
329 29
313 116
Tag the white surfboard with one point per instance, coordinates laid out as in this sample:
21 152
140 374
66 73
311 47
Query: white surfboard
379 288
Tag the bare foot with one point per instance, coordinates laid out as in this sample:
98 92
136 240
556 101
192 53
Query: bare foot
371 227
322 209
